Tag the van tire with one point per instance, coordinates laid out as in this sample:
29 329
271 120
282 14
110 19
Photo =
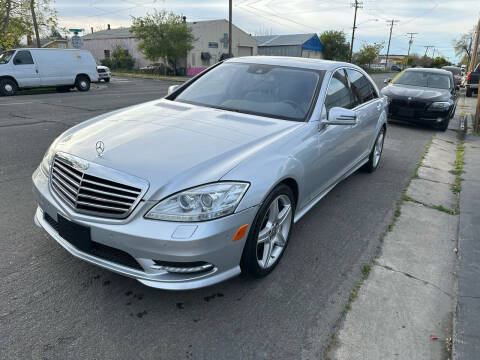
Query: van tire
82 83
8 87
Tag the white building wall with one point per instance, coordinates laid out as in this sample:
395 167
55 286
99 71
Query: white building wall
209 33
98 46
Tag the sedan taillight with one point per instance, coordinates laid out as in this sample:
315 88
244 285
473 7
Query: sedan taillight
469 76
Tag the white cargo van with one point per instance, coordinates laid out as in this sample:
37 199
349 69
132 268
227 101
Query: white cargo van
31 68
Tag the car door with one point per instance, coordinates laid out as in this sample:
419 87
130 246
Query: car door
368 107
26 71
335 142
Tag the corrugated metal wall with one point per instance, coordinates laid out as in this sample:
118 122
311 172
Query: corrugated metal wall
290 50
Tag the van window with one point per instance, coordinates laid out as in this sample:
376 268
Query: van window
6 56
23 58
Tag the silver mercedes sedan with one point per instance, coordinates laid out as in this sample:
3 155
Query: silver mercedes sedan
192 189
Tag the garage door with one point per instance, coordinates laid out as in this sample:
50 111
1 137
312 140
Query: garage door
245 51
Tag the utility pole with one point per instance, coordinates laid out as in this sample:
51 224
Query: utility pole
230 54
393 21
433 55
426 49
410 42
356 5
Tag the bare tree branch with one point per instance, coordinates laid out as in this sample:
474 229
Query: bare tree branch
7 17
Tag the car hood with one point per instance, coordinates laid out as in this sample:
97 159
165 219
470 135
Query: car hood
173 145
416 92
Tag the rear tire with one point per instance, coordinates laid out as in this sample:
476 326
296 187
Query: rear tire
376 153
468 92
8 87
82 83
275 227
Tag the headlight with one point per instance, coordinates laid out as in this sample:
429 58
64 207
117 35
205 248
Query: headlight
440 105
47 160
202 203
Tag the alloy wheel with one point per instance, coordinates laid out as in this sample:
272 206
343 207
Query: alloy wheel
377 151
274 231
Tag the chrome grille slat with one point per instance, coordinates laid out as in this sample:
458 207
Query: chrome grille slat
58 174
78 184
86 188
111 187
63 191
128 204
64 168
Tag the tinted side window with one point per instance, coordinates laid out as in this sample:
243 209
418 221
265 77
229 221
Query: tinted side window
361 87
338 92
23 58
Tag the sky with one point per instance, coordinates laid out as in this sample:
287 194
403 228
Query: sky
437 22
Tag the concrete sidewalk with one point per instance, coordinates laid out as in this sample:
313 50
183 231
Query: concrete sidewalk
466 340
409 293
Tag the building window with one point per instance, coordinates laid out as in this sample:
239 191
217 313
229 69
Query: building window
106 53
213 45
61 46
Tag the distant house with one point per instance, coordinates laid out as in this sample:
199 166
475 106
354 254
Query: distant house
56 44
210 45
299 45
392 60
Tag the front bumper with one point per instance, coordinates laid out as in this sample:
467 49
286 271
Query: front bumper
150 241
104 75
419 113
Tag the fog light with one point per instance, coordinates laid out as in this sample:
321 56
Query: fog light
439 119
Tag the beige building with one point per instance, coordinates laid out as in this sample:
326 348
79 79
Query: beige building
211 42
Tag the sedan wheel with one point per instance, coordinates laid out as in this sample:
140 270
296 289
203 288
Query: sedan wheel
271 239
376 154
270 233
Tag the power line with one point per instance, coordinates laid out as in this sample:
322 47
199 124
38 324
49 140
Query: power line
356 5
428 47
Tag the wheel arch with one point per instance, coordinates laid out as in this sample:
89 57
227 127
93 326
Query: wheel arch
3 77
82 74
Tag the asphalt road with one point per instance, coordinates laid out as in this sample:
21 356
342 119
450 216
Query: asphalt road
53 306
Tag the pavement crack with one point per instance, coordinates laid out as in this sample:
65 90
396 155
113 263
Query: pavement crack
386 267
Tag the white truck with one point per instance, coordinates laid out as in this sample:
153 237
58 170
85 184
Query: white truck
60 68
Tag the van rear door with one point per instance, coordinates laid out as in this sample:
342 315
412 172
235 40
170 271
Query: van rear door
26 71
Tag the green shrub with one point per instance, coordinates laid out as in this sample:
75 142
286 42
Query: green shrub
120 59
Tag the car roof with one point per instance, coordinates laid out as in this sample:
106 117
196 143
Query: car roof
300 62
431 70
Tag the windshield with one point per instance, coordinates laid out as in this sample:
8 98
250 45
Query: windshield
267 90
424 79
454 70
5 56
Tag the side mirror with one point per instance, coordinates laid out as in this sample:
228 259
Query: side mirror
172 88
340 116
387 80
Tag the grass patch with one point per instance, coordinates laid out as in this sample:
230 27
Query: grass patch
138 74
354 293
444 209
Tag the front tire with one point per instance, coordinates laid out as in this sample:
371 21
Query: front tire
8 87
270 232
107 80
82 83
376 154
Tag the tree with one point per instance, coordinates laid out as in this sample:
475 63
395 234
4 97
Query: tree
163 35
17 20
120 59
463 46
440 61
335 45
367 54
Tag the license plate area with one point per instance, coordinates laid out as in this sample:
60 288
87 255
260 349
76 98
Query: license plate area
76 234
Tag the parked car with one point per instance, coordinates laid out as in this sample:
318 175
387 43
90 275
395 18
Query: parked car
32 68
157 68
472 79
190 190
396 68
104 73
422 95
456 72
